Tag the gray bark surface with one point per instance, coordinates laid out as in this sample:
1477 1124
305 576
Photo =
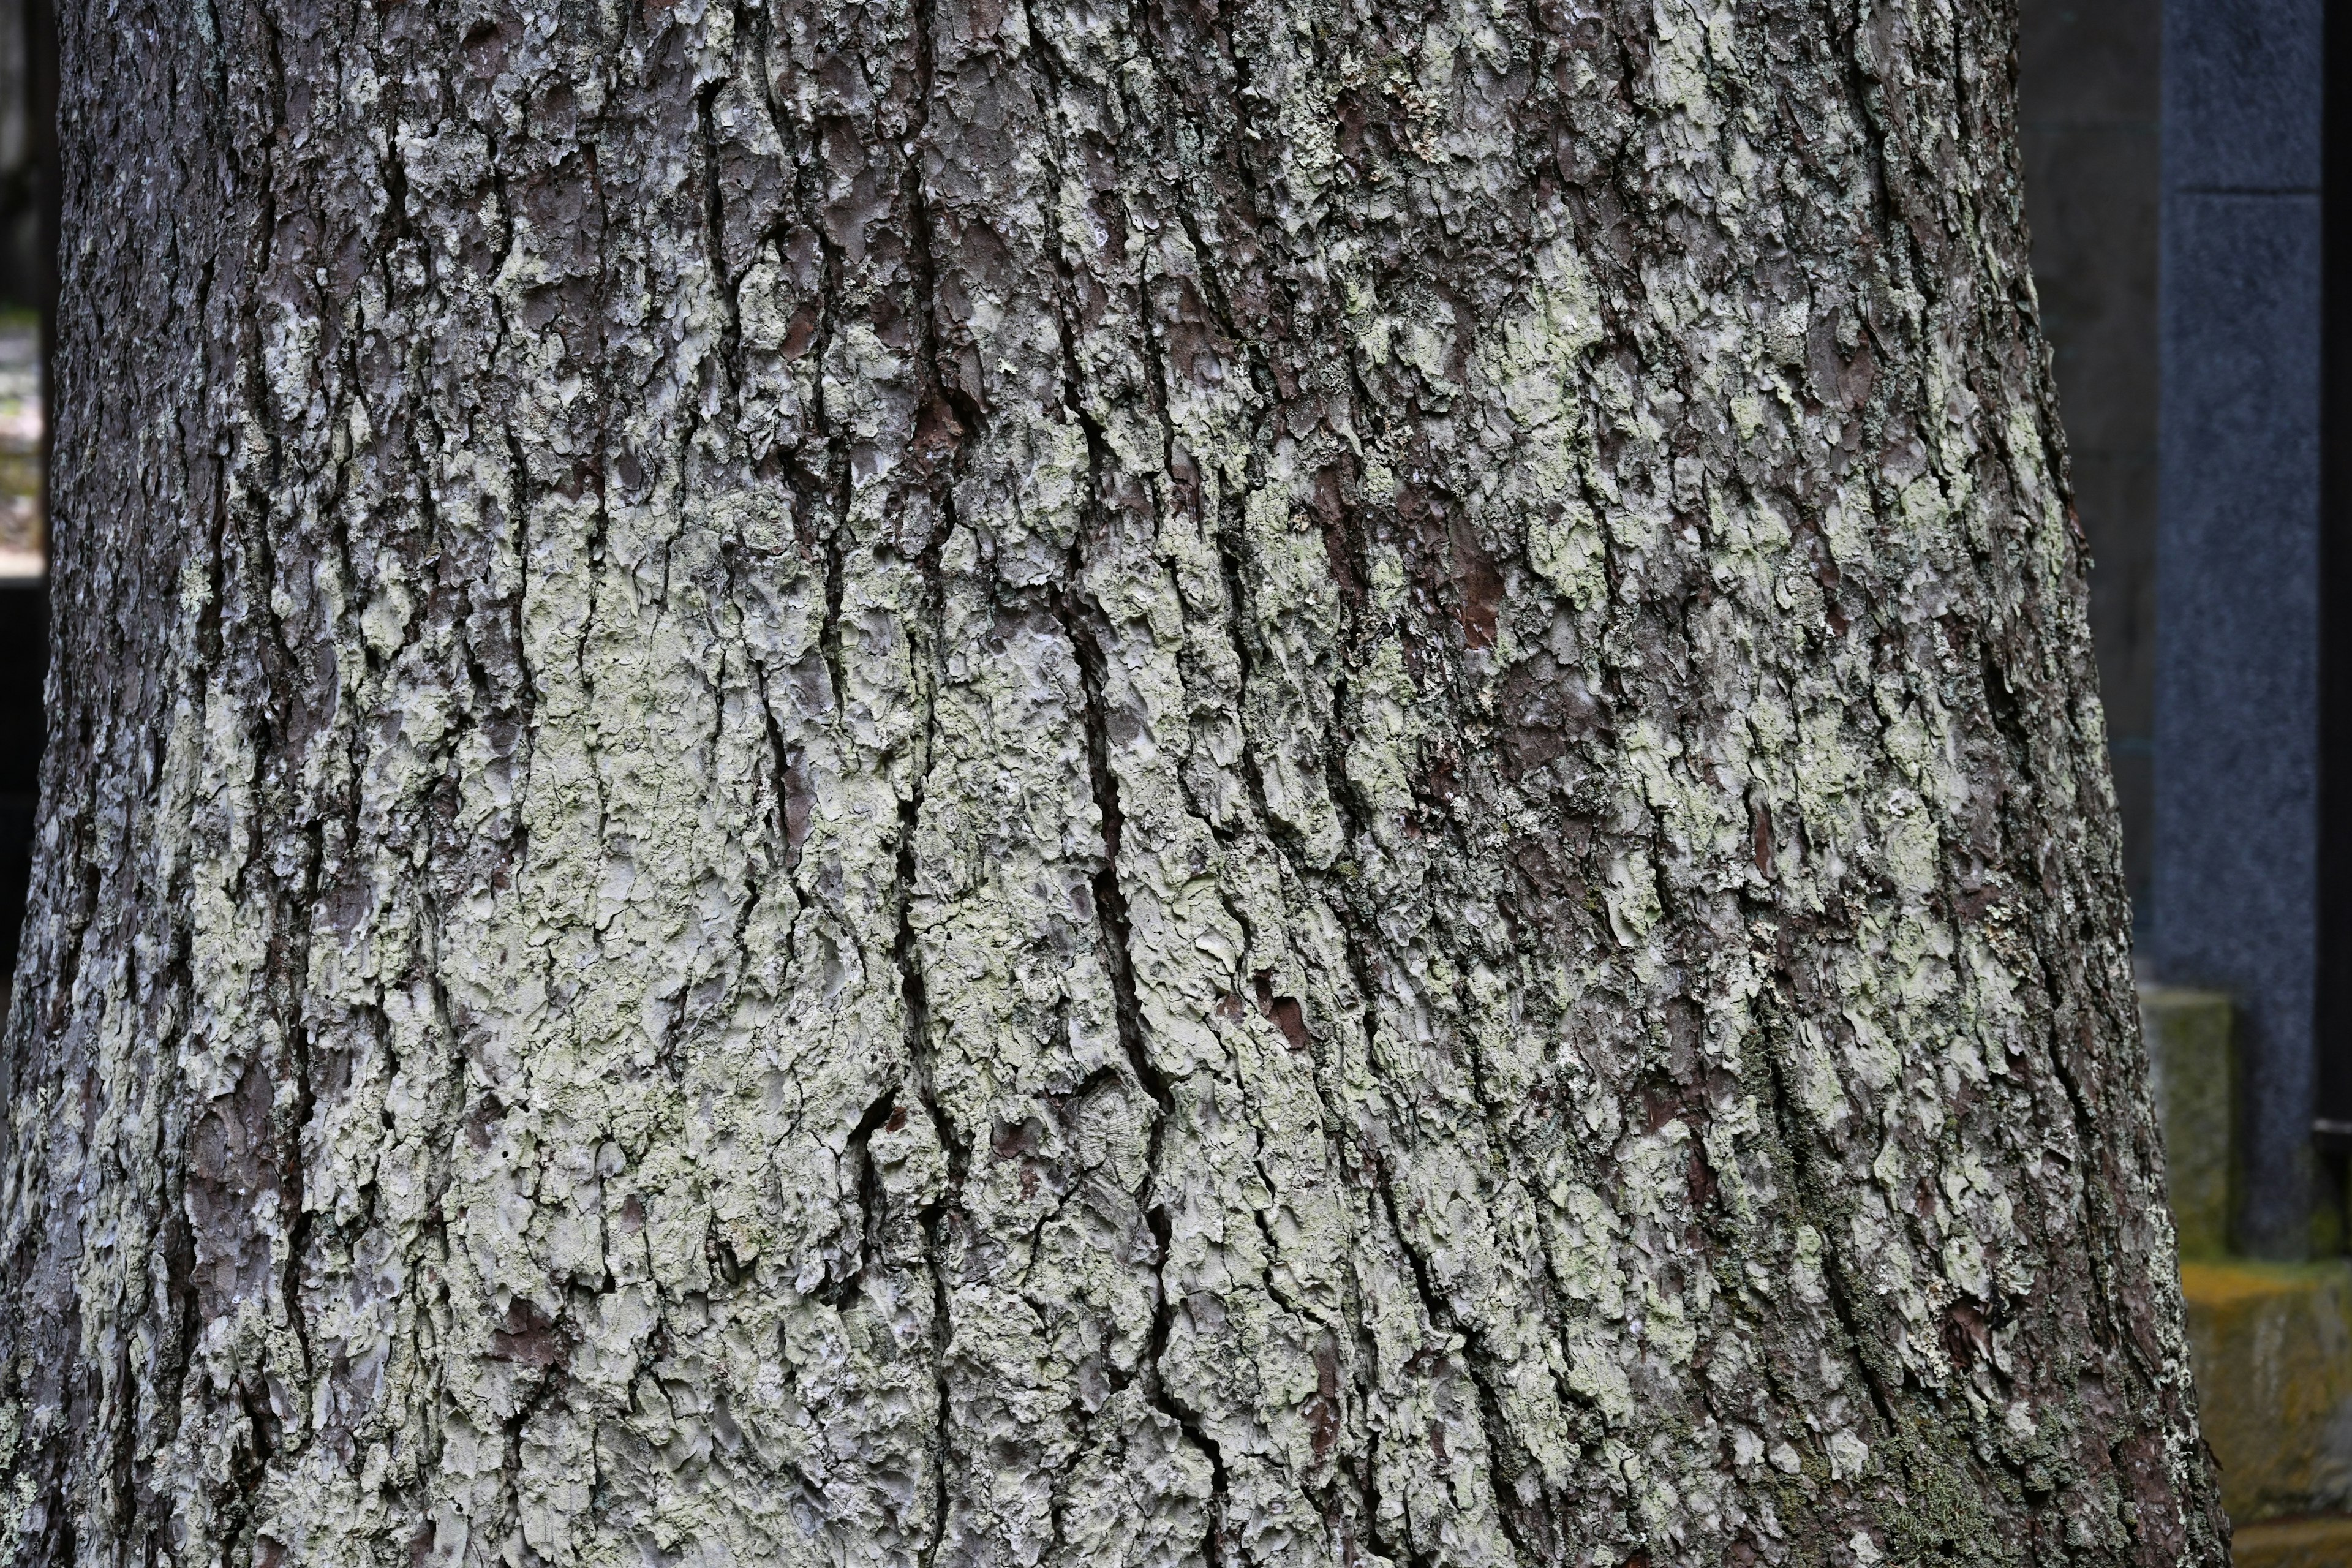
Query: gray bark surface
988 781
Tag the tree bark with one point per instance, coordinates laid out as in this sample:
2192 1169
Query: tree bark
980 782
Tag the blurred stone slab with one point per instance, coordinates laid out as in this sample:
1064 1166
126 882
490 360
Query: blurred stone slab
2194 1064
2272 1344
2320 1543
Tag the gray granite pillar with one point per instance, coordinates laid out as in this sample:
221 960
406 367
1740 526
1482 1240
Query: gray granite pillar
2236 746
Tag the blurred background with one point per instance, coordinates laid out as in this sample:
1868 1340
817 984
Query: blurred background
28 244
2188 188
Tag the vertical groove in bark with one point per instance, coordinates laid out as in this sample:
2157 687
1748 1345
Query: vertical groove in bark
949 783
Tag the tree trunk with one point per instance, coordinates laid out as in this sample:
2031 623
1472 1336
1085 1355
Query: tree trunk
980 782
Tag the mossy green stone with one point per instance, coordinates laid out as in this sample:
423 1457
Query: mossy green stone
2322 1541
2272 1344
2195 1074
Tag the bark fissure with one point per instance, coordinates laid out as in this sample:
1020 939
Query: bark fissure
927 635
1841 1280
1082 624
1442 1315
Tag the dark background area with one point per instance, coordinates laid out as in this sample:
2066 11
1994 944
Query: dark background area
2090 90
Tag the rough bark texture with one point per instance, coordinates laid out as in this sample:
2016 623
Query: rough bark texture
1110 782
